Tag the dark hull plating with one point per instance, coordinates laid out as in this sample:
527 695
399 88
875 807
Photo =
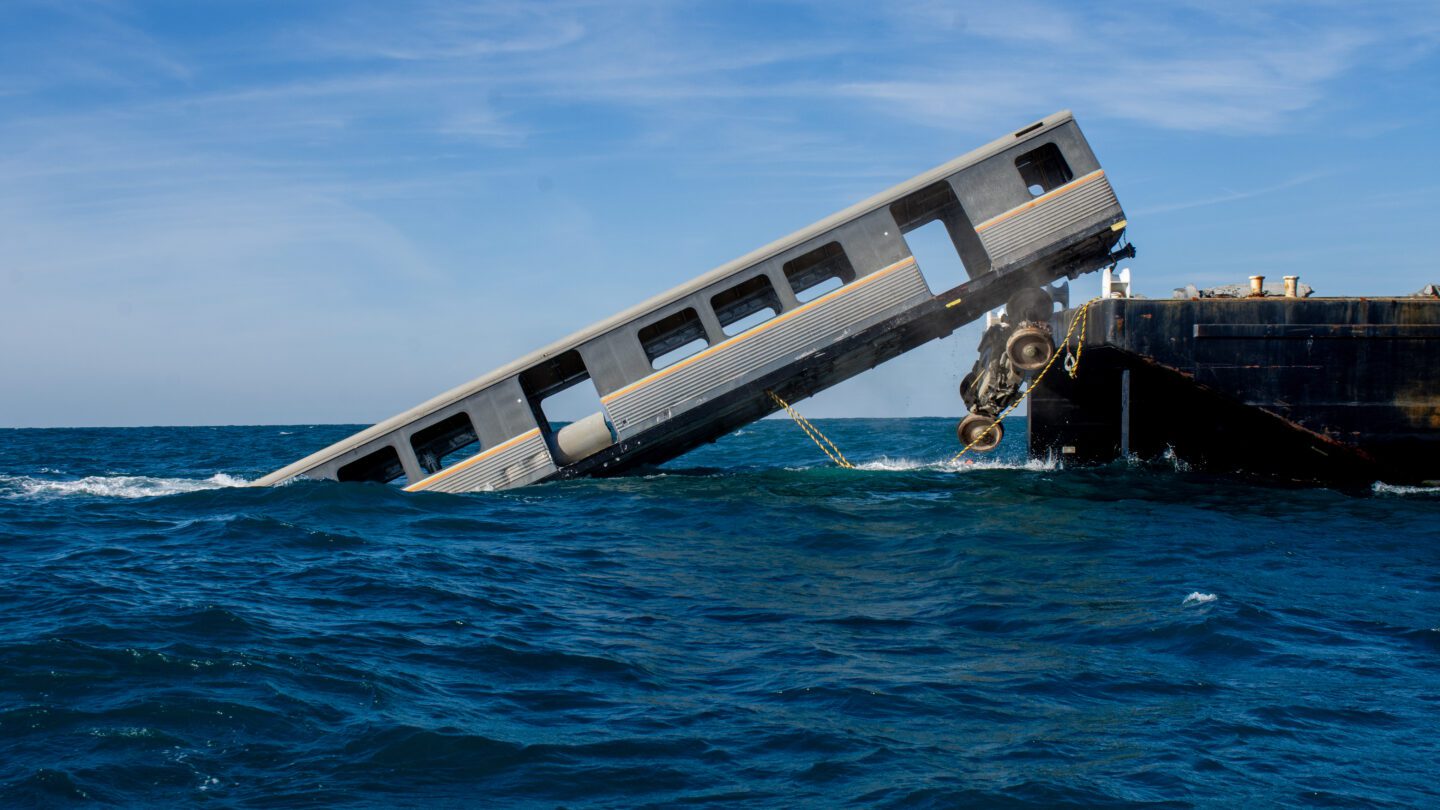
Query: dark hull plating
1328 389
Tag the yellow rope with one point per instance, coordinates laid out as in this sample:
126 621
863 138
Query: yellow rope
1072 368
826 446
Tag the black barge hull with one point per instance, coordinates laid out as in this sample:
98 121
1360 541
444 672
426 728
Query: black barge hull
1334 390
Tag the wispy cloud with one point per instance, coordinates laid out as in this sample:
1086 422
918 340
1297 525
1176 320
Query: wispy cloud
1218 68
1229 196
416 168
102 47
440 31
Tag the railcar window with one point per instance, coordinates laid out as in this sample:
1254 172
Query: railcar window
673 338
1044 169
821 270
746 305
380 467
560 390
446 442
940 236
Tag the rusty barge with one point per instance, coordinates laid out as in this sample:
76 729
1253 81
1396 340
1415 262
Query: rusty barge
1331 390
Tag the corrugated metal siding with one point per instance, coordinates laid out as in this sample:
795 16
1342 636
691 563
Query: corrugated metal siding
511 467
750 355
1057 215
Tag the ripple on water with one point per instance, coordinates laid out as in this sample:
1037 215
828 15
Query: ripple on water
747 627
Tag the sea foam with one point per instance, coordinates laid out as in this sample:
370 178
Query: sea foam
111 486
1197 598
952 465
1380 488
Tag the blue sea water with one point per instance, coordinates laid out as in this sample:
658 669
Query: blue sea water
745 627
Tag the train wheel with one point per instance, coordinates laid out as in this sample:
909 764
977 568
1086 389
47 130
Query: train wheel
966 383
971 428
1029 349
1030 304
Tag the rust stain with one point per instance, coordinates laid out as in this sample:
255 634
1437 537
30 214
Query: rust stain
1419 403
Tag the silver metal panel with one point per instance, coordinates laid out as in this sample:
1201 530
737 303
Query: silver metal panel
1065 208
510 465
672 391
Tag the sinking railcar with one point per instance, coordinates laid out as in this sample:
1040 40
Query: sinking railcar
794 317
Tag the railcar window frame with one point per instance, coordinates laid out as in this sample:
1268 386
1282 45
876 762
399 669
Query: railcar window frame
736 307
561 382
442 440
372 463
1043 168
673 338
809 273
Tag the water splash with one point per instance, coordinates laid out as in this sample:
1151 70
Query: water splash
1198 598
886 464
1380 488
1176 463
111 486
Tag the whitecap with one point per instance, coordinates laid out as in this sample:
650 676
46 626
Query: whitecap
1380 488
112 486
886 464
1198 598
1176 463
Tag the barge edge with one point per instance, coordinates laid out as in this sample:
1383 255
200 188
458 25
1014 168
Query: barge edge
1326 390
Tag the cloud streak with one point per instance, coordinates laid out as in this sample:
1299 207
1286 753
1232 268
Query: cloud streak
1231 196
331 181
1223 69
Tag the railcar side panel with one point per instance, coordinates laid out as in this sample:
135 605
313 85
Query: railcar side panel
1070 209
522 460
864 301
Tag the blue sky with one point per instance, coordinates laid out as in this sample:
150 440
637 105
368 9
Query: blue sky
277 212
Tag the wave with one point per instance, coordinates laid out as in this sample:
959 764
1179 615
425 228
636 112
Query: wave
1397 489
886 464
1197 598
1175 461
112 486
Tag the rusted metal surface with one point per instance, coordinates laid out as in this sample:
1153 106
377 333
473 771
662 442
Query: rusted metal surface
1329 389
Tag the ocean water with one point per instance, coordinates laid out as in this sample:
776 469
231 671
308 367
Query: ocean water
746 627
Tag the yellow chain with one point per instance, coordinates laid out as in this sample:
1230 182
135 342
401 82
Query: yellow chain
1072 368
826 446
